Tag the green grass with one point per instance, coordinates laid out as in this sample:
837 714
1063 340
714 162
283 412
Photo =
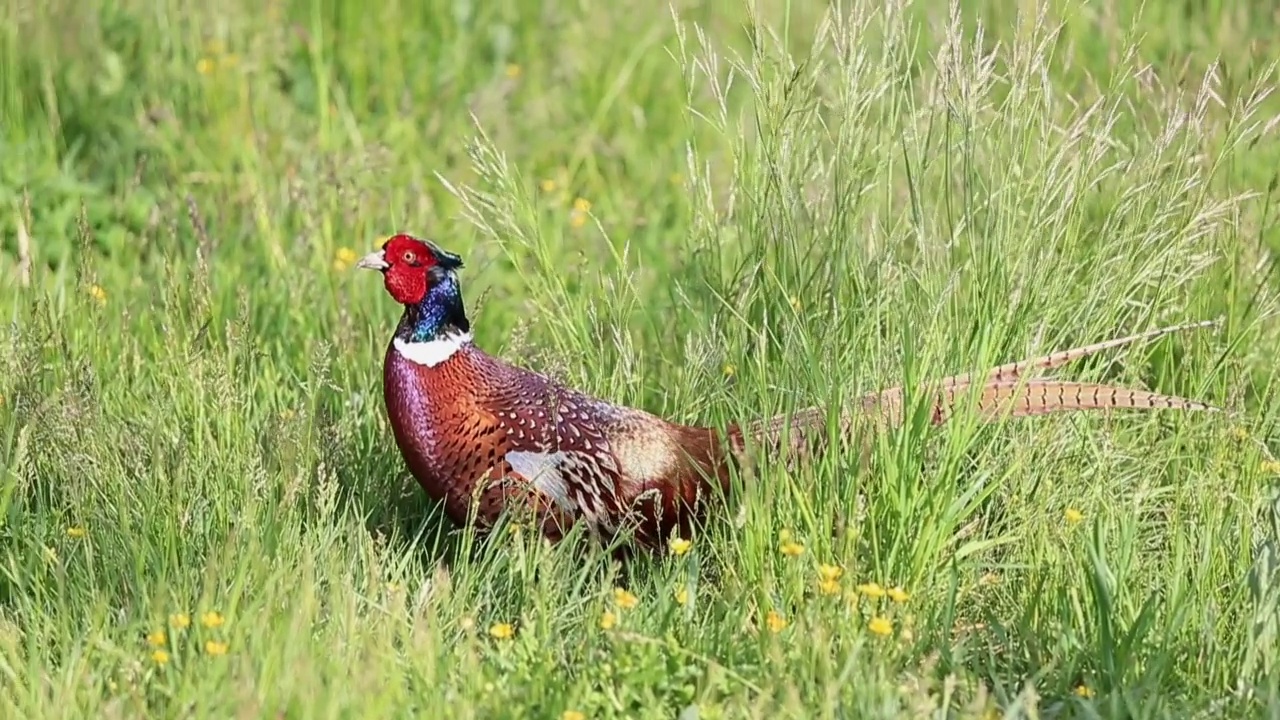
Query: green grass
827 203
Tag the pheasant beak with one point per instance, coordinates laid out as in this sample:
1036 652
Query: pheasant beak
375 260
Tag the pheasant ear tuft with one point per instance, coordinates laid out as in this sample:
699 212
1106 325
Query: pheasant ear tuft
446 259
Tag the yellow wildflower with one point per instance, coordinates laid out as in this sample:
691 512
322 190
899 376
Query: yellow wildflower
1271 467
582 205
1084 691
829 587
98 294
676 179
624 598
76 532
501 631
729 369
214 647
682 595
830 572
548 185
513 70
680 546
608 620
344 258
880 625
572 715
160 657
795 303
1073 515
157 638
212 619
775 621
871 590
180 620
204 66
791 548
898 595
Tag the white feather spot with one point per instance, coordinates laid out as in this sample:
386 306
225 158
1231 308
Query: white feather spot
542 470
432 352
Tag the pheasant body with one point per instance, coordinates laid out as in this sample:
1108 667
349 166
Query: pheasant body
483 436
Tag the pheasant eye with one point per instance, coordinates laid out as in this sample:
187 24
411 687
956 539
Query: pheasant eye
409 257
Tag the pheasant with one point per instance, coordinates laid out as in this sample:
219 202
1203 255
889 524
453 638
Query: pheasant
482 436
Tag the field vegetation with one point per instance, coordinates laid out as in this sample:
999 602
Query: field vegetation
712 210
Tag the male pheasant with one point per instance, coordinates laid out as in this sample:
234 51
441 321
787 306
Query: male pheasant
482 435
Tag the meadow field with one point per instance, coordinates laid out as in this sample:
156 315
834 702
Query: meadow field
712 210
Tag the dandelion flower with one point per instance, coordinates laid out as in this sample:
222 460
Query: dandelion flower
1271 467
513 70
160 657
871 590
582 205
682 596
344 258
501 631
180 620
98 294
880 625
76 532
157 638
775 622
1073 515
572 715
212 619
791 548
729 369
608 620
829 579
214 647
680 546
624 598
204 66
548 185
897 594
1084 691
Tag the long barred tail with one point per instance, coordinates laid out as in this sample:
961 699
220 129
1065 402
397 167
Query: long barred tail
1003 392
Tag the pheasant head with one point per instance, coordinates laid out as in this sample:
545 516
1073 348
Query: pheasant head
410 266
423 278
